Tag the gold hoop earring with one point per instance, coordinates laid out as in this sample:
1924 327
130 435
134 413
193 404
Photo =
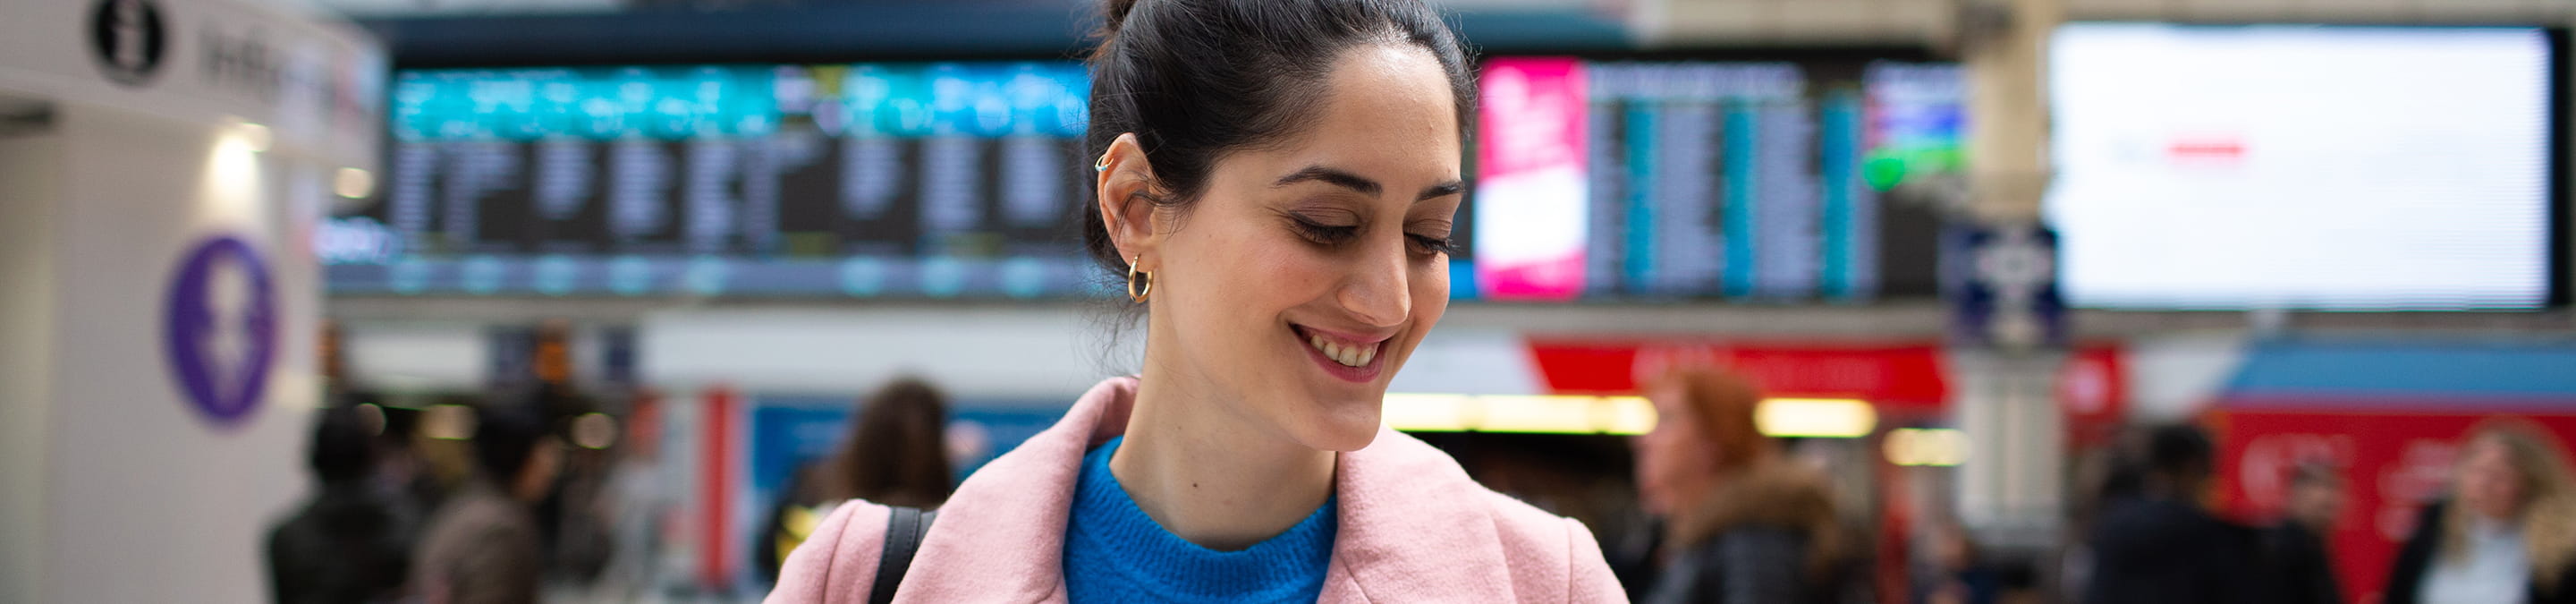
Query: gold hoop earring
1139 283
1102 165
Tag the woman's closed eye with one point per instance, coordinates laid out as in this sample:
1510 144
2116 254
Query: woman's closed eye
1329 235
1433 245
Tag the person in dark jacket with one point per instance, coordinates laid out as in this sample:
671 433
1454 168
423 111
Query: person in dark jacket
1743 524
351 542
2160 545
2295 548
2508 533
484 546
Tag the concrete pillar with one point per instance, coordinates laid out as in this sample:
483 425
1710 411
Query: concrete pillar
158 323
2011 487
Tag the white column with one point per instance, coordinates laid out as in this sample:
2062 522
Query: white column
2011 487
29 164
2010 490
184 168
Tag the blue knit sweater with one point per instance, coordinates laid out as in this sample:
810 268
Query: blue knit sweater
1113 552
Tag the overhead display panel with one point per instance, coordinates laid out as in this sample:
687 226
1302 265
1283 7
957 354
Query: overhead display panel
901 180
1709 180
2304 167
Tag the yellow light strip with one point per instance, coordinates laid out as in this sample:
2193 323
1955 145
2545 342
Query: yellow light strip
1523 413
1426 412
1519 413
1815 417
1536 413
1625 415
1617 415
1926 447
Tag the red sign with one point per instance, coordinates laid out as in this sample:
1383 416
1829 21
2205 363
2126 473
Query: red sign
2392 463
1902 375
715 481
2093 389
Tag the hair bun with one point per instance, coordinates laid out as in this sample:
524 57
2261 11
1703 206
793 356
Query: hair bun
1115 13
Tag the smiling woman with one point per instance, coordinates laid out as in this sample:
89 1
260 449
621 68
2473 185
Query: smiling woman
1277 183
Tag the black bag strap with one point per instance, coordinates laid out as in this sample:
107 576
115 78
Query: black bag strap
905 527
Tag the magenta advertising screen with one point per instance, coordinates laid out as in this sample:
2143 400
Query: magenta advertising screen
1700 180
1531 168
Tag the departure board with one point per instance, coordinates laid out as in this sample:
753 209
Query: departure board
1595 181
903 180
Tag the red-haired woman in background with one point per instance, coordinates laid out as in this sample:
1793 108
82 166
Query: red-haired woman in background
1743 523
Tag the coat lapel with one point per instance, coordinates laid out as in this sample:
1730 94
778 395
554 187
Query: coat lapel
1414 528
1001 536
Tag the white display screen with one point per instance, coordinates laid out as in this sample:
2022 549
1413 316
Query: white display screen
2301 167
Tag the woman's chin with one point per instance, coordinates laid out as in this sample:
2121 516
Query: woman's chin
1342 432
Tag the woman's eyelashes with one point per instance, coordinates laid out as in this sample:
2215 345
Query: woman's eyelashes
1433 246
1326 235
1332 236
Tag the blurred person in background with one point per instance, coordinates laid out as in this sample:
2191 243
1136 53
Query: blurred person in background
573 519
1957 575
2508 532
349 543
2160 544
2295 547
2106 475
484 545
896 453
1277 184
1742 523
637 504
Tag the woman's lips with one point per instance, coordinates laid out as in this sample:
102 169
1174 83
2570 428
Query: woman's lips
1349 360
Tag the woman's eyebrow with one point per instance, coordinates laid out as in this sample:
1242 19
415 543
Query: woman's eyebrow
1337 177
1445 189
1361 184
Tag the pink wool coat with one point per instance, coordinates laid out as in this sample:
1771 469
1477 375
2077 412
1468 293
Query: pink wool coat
1414 528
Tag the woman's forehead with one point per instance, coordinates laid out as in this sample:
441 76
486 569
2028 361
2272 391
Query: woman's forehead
1384 102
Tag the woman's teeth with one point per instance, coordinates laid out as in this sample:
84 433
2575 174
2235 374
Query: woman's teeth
1350 356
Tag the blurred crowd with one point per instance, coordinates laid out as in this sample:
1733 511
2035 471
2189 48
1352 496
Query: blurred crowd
514 496
490 499
2500 534
410 506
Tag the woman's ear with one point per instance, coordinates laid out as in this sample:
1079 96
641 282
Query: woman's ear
1125 182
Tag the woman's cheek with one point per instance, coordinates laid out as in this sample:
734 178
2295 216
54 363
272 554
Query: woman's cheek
1431 290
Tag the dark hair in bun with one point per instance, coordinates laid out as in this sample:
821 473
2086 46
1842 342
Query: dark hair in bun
1195 79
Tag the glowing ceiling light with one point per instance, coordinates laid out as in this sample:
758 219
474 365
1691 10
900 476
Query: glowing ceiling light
1545 414
1815 417
253 136
448 422
373 417
1926 447
1626 415
1425 412
594 430
1536 413
353 183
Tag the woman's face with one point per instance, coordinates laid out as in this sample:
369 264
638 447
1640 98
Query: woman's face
2489 485
1674 459
1307 272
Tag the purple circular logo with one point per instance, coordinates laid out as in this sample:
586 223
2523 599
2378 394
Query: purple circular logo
222 328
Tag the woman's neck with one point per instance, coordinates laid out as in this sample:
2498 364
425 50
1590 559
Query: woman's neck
1210 476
